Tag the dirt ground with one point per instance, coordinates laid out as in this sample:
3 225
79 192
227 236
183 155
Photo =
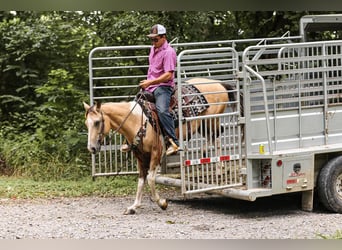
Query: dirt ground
207 217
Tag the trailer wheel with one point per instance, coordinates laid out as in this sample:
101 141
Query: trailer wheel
329 185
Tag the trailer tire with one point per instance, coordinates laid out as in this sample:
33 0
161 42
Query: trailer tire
329 185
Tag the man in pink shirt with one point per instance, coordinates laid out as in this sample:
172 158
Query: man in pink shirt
160 81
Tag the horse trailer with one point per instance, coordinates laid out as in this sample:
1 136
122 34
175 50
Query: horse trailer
282 133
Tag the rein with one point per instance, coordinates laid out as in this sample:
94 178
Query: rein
123 122
140 133
101 133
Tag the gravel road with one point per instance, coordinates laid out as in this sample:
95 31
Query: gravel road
277 217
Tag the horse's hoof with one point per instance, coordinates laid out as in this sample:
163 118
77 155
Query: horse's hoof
129 211
163 204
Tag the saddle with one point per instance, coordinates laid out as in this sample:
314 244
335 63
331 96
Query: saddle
196 103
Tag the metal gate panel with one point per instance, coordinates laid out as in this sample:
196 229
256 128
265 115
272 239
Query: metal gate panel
206 164
111 161
114 74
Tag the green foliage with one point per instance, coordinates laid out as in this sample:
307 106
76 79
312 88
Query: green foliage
336 236
41 123
42 159
131 28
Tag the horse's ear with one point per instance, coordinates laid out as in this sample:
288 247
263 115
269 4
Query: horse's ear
98 106
86 106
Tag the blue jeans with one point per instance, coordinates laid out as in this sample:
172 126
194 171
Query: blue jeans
162 97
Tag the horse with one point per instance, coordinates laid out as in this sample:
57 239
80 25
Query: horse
128 119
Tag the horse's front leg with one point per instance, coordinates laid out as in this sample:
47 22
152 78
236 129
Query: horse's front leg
151 178
138 197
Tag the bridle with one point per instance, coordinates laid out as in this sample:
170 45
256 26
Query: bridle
101 133
102 124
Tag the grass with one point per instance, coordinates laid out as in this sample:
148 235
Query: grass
337 235
24 188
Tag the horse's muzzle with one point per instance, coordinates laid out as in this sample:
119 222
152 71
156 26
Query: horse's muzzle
94 149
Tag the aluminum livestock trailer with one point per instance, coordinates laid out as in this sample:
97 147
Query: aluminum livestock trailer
281 134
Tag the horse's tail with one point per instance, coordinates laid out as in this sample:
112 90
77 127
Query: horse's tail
232 95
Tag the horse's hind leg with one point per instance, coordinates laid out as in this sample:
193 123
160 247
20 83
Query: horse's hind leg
151 178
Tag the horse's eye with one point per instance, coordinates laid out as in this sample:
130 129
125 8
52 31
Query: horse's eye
97 123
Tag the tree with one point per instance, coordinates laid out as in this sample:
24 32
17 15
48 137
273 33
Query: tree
44 79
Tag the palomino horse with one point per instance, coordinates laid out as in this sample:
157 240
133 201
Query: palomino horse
128 119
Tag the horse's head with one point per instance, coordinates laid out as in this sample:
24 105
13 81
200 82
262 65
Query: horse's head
97 128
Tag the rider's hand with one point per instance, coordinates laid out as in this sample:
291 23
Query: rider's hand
145 83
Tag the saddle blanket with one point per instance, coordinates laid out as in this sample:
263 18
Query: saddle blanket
196 103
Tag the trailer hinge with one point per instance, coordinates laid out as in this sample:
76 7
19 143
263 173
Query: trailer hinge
242 120
240 74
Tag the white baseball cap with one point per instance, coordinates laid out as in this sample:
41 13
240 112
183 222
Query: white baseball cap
157 30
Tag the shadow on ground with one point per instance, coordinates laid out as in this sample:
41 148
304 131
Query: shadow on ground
266 206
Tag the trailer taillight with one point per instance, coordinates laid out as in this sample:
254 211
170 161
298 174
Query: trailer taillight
279 163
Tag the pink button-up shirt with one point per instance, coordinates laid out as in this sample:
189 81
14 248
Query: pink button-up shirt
161 60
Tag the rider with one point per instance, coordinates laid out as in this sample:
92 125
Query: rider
160 82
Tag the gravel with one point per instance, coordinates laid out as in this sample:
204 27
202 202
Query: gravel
206 217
